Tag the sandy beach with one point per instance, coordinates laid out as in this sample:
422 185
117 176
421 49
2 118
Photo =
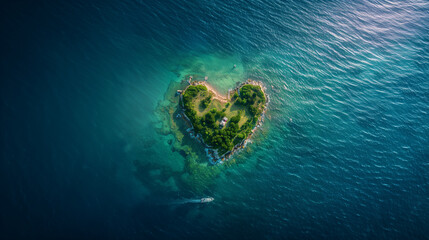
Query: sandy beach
216 94
223 98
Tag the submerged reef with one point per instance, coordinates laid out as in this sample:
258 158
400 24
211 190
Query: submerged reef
201 161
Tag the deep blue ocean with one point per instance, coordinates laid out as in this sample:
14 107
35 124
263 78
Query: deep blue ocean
343 153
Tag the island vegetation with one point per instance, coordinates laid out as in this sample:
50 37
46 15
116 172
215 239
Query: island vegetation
223 124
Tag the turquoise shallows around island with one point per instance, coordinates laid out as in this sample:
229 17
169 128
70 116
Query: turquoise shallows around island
89 150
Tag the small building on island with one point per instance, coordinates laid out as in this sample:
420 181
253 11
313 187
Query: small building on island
223 122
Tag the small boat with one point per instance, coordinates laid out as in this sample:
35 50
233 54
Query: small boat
207 200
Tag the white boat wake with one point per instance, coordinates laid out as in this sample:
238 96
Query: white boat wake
198 200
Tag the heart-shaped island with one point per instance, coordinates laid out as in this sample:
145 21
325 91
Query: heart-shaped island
223 124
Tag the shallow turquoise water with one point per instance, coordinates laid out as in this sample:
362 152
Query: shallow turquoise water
343 153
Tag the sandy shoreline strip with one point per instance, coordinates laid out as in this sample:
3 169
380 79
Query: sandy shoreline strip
223 98
216 95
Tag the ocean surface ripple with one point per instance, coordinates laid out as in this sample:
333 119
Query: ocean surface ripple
344 152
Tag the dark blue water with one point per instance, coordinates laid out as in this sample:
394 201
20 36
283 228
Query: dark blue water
344 152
